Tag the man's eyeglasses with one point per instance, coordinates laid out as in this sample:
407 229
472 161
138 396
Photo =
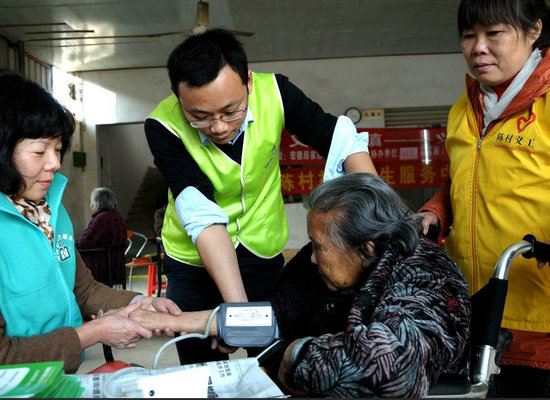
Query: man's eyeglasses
229 117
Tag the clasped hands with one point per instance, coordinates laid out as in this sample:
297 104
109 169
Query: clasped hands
123 332
185 322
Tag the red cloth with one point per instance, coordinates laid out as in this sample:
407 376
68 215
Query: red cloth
106 229
528 349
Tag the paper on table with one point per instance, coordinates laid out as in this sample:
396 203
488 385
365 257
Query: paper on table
182 384
239 377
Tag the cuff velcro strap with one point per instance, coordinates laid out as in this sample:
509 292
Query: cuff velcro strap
250 324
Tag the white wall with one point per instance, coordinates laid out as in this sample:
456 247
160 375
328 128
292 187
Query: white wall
123 96
336 84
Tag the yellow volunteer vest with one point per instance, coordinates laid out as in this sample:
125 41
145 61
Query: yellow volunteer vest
250 193
498 193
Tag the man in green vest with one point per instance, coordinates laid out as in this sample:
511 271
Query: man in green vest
216 142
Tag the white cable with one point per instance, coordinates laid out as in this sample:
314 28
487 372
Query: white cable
124 371
188 336
112 376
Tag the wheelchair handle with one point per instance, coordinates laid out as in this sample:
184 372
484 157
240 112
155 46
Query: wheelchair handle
529 248
507 256
540 250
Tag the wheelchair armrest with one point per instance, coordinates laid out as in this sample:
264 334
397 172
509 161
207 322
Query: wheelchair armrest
450 384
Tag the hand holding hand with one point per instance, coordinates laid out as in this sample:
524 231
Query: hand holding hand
160 305
151 320
115 329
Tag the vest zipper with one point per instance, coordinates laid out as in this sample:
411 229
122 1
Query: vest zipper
473 254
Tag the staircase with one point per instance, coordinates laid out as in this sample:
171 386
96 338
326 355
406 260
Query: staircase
150 196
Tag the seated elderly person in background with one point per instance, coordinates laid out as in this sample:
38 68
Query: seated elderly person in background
106 229
409 314
45 289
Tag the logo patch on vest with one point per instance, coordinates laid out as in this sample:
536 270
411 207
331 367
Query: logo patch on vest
523 122
520 141
62 251
274 151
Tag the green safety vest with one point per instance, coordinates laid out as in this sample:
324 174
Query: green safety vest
250 194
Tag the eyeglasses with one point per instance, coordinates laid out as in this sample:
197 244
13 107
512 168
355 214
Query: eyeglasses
229 117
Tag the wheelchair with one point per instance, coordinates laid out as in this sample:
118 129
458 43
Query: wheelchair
486 343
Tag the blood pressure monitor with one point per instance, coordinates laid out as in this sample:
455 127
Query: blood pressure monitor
250 324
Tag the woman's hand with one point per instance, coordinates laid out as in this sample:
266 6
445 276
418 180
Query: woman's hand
284 369
113 328
160 305
428 219
152 320
543 262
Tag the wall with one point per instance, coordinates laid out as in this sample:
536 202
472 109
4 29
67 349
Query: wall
127 96
125 158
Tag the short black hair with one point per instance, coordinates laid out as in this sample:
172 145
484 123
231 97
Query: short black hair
199 59
27 111
521 14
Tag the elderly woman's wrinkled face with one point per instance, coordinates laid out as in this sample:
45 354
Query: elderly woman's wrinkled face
37 160
340 269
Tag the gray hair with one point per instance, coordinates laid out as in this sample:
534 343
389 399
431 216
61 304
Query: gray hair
103 198
366 208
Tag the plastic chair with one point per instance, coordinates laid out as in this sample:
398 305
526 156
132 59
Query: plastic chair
154 276
154 272
132 264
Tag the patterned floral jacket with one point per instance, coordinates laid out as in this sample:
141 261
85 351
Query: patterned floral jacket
408 323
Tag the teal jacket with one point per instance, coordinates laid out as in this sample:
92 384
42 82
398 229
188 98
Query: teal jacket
36 278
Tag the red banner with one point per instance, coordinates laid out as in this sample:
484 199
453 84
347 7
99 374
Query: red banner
294 152
398 175
412 175
404 157
424 145
301 180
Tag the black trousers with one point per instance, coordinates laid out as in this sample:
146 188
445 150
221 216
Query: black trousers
192 289
524 382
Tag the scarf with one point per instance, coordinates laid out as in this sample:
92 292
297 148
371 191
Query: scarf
493 107
38 213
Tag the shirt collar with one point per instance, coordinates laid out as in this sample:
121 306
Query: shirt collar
247 121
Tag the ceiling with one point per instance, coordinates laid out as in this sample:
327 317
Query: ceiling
283 29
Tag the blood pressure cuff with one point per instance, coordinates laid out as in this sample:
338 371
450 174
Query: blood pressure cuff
250 324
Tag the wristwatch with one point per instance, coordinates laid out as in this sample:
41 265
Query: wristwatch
354 114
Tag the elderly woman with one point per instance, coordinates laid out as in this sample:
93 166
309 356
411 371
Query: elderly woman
106 229
498 189
45 288
409 318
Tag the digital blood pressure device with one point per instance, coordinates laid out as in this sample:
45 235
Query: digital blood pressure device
250 324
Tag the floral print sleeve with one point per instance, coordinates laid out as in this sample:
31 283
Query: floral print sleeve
409 323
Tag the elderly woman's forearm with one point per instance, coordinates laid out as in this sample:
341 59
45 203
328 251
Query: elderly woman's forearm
190 321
